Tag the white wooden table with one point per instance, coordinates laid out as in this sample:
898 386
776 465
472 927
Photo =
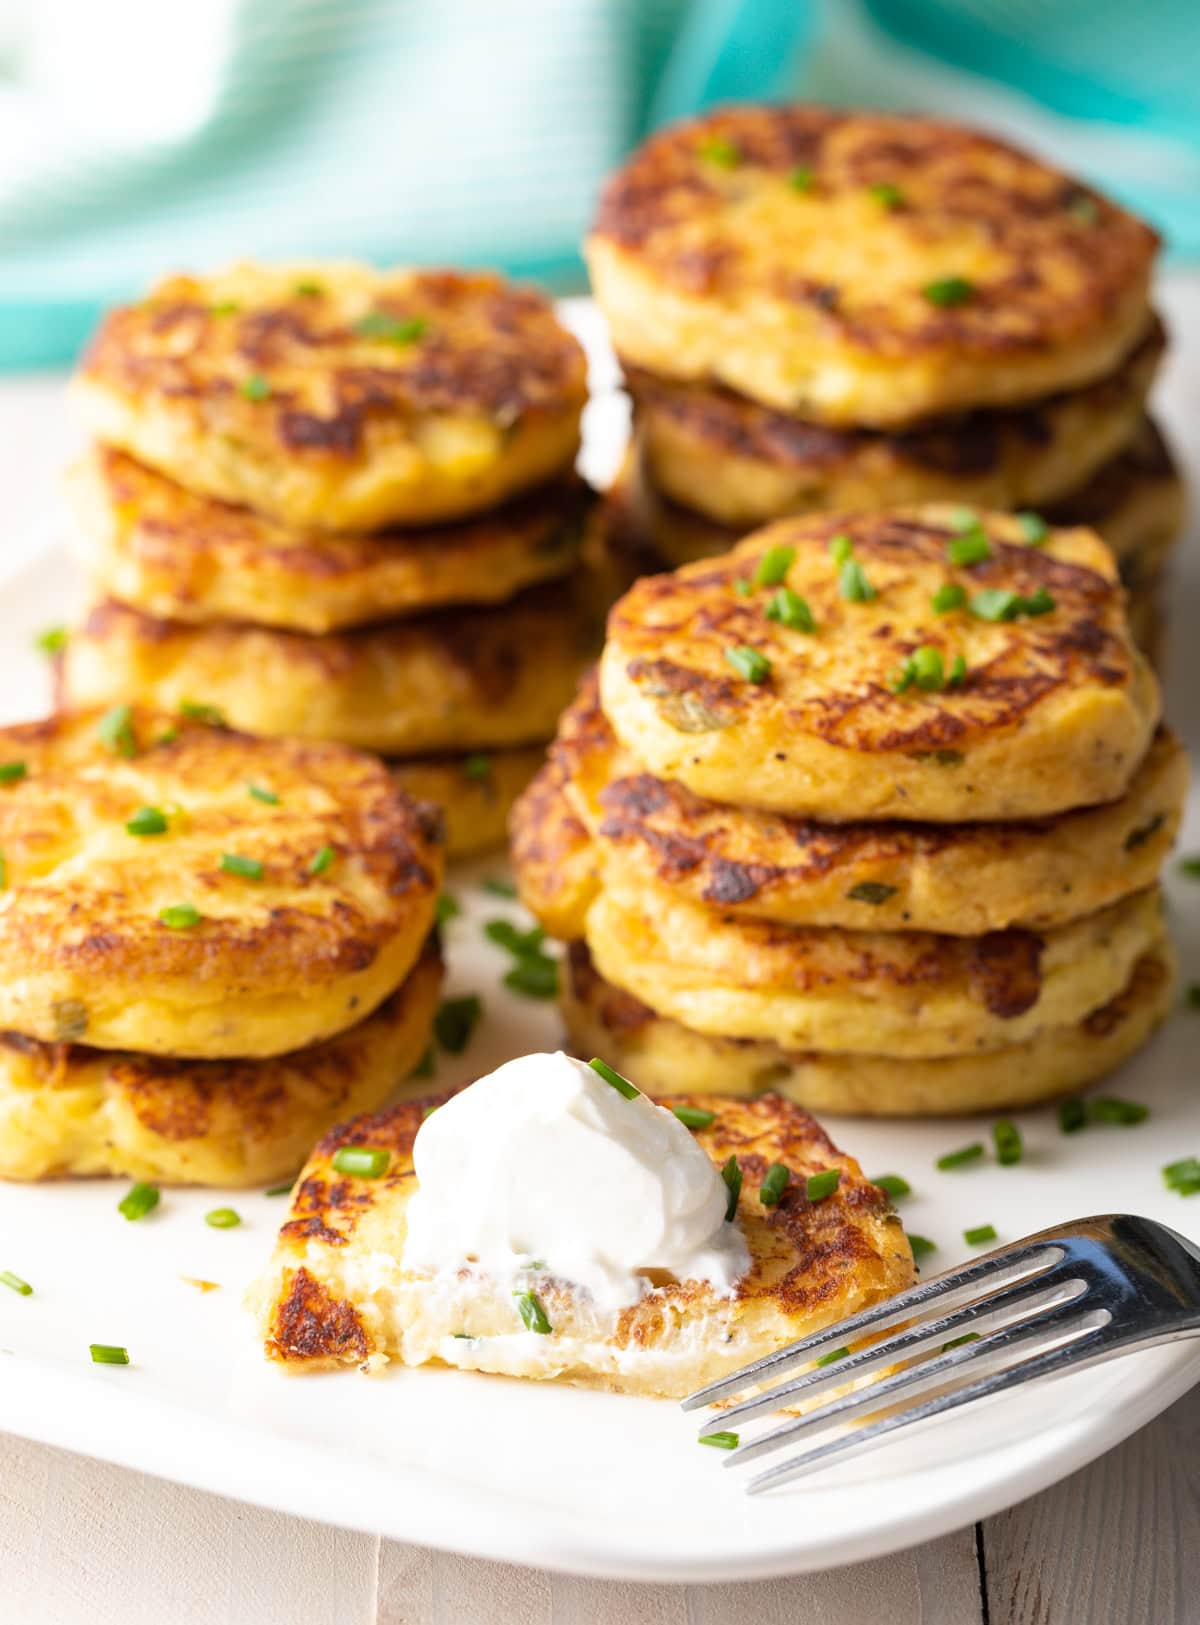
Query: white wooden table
84 1542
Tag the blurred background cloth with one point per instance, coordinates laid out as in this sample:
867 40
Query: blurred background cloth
141 136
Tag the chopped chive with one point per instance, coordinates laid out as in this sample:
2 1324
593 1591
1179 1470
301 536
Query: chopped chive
957 1342
10 772
980 1235
719 150
748 663
140 1200
233 863
255 388
514 941
259 794
52 641
391 329
1192 995
773 566
1183 1176
499 886
1007 1136
840 547
928 671
321 860
834 1354
1190 866
427 1113
723 1439
180 916
281 1190
1144 832
3 871
426 1066
971 547
108 1354
853 584
818 1186
116 730
361 1161
447 908
1072 1115
921 1245
801 179
694 1116
477 767
948 291
1033 527
901 680
1112 1109
147 821
789 609
612 1076
871 891
224 307
529 1307
535 976
957 674
1002 604
949 596
961 1157
308 290
884 192
197 711
742 587
731 1173
775 1182
223 1218
895 1185
15 1283
455 1021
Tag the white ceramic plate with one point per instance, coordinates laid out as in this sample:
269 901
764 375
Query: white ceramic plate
562 1478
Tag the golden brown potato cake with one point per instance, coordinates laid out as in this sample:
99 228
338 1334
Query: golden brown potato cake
1050 710
337 396
812 1262
869 269
456 680
69 1110
898 993
179 889
866 877
475 793
663 1055
1136 503
148 543
742 464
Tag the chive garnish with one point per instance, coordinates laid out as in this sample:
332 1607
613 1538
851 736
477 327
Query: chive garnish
971 547
3 871
361 1161
1002 604
895 1185
309 290
140 1200
499 886
1072 1115
447 908
108 1354
259 794
980 1235
1007 1136
116 730
1182 1177
427 1112
197 711
957 1342
871 891
840 547
731 1173
180 916
529 1307
789 609
223 1218
1190 866
834 1354
455 1021
928 670
957 674
147 821
694 1116
280 1190
949 596
426 1066
742 587
52 641
723 1439
801 179
948 291
853 584
775 1182
10 772
321 860
391 329
536 976
233 863
773 566
613 1077
255 388
1192 995
224 307
506 935
1033 527
921 1245
15 1284
718 149
961 1157
818 1186
1112 1109
748 663
477 767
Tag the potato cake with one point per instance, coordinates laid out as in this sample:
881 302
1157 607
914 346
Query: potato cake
69 1110
337 396
934 664
148 543
663 1055
742 464
864 269
335 1292
176 888
475 792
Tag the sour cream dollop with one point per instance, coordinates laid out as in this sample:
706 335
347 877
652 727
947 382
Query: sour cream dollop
544 1162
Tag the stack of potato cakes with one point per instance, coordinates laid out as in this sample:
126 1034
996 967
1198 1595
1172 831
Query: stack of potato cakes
870 811
212 947
338 504
827 310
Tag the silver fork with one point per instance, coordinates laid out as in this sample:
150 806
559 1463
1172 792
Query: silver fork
1065 1298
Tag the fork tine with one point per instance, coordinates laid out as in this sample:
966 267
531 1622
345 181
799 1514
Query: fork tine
1042 1291
1022 1259
1077 1351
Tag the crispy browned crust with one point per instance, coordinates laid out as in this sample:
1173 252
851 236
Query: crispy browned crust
1146 461
382 883
1067 257
489 348
554 859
